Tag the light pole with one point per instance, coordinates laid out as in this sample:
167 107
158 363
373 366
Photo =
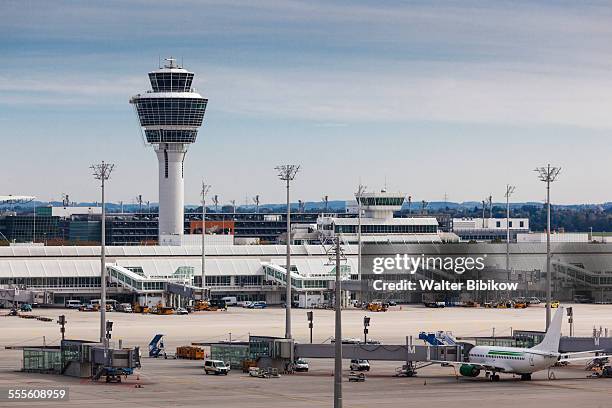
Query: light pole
205 188
548 175
256 201
102 172
509 191
359 195
484 206
338 333
287 172
34 226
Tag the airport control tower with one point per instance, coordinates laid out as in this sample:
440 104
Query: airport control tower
170 115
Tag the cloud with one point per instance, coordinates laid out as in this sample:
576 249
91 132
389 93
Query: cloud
329 62
441 91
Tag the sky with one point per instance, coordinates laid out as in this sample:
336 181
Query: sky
428 98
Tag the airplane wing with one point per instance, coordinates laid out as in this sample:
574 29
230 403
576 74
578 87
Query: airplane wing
460 363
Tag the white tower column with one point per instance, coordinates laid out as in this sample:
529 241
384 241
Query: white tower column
170 115
171 189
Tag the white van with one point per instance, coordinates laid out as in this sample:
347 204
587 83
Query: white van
73 304
230 300
216 367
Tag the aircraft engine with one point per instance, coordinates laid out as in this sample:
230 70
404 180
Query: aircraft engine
468 370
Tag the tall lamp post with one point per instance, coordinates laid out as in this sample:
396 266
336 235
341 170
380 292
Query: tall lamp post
338 331
548 174
359 195
509 191
205 188
102 172
287 172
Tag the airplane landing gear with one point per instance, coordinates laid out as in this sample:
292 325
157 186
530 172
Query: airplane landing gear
494 377
525 377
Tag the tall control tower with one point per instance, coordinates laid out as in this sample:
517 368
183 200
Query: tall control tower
170 115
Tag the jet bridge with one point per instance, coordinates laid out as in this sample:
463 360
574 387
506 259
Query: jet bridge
398 352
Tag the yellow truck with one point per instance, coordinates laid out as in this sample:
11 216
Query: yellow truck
204 305
377 307
190 353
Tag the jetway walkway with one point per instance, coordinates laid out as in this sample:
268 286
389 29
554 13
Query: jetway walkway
400 352
574 273
137 283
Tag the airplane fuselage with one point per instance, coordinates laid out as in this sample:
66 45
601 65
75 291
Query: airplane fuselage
512 360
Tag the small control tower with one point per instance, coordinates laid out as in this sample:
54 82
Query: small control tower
381 205
170 115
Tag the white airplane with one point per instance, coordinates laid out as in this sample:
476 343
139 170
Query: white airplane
517 360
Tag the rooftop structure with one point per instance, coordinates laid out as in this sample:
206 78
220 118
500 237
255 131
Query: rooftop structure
170 115
378 223
489 229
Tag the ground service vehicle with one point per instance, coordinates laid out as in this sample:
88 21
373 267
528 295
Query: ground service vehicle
73 304
190 352
376 307
230 300
360 365
300 365
520 303
216 367
204 305
124 307
163 310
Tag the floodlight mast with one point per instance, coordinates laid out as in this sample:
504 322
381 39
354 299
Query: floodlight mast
256 201
509 191
338 254
287 172
102 172
360 190
548 175
204 192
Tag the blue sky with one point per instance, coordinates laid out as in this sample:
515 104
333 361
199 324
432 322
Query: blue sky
435 97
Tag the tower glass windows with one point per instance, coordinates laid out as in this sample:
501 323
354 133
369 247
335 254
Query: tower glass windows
391 201
171 81
171 111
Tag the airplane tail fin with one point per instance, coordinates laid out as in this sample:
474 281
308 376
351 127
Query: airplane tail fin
553 334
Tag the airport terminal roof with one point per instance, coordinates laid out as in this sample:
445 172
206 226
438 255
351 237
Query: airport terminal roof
137 251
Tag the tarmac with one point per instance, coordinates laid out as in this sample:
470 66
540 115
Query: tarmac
182 383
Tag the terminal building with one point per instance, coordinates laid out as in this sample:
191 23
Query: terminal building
152 274
170 274
489 229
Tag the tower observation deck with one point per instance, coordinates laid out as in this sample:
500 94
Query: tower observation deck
170 115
